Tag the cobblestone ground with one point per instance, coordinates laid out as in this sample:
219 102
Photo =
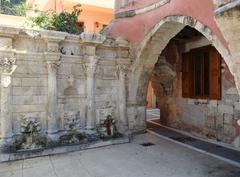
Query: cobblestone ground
164 159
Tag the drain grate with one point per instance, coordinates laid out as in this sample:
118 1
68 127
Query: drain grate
147 144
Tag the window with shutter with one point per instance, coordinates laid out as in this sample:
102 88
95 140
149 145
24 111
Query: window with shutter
186 75
215 74
201 74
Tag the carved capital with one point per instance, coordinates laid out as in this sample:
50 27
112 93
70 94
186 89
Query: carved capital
53 65
52 47
92 67
122 70
8 65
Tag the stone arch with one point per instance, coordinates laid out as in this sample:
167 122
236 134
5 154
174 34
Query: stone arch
151 48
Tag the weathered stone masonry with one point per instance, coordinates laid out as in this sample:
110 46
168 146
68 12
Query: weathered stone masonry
55 78
56 81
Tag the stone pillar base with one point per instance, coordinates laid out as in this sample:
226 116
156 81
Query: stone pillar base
7 145
53 139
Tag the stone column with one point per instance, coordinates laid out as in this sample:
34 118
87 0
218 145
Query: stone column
91 109
52 57
123 122
8 67
53 64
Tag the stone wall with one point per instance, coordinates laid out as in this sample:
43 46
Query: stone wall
227 18
56 80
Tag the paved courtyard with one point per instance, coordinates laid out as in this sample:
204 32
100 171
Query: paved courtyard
164 159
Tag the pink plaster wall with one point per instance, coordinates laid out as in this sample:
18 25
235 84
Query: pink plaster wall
135 28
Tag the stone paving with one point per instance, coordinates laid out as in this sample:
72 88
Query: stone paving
164 159
153 114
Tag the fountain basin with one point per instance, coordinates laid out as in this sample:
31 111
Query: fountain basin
24 154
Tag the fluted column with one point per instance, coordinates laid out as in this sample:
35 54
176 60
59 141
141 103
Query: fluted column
52 121
91 113
52 59
123 122
7 67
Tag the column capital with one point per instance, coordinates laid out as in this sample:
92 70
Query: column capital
53 46
122 69
53 38
91 67
8 65
53 65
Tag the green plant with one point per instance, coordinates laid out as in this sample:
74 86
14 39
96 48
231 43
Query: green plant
63 21
42 21
10 7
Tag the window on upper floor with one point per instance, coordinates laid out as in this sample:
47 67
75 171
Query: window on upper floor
81 24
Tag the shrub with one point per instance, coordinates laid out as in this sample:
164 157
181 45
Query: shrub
11 7
63 21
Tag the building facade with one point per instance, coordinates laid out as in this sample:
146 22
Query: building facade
189 51
94 17
161 35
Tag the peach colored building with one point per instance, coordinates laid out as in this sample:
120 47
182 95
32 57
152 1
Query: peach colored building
95 14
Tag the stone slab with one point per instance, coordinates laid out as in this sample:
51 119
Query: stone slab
4 157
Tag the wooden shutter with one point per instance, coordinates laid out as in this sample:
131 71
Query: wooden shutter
187 75
215 74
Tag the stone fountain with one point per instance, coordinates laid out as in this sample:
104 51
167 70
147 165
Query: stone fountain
31 138
107 129
72 125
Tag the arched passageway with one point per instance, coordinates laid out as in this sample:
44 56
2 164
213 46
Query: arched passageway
210 116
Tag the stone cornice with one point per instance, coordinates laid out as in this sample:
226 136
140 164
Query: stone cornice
92 38
54 38
139 11
9 31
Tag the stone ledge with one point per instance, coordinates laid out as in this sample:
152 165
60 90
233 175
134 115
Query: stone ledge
50 35
134 12
227 7
4 157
